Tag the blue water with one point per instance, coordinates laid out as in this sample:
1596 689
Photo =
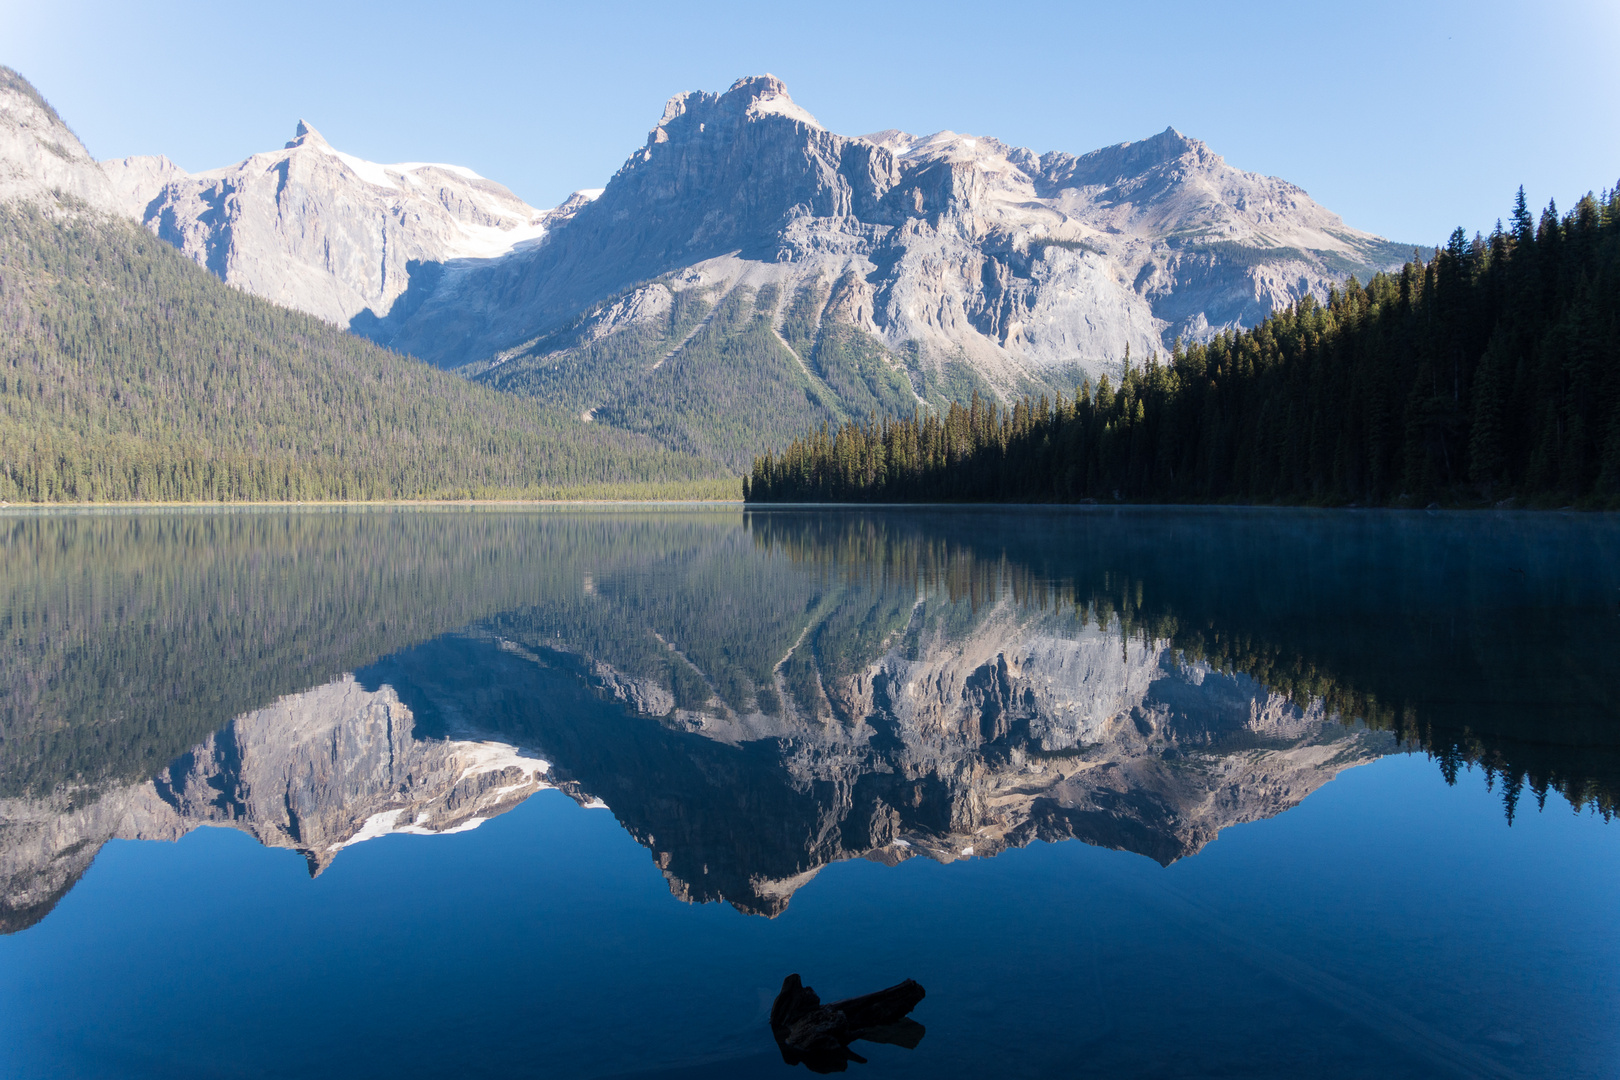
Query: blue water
1390 924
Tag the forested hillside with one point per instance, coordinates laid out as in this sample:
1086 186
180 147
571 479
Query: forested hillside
1491 372
129 373
710 373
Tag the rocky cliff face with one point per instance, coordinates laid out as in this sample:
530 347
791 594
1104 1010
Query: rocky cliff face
325 232
41 160
314 772
744 257
948 745
960 246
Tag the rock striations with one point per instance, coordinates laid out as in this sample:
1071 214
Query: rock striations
955 246
950 744
845 274
322 231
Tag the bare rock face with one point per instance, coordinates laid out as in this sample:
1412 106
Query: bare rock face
944 249
315 772
325 232
912 268
139 181
41 160
954 746
965 248
948 745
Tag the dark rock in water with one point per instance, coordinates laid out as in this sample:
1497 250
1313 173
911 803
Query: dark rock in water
819 1035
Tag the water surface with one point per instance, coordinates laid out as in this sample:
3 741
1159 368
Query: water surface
1138 792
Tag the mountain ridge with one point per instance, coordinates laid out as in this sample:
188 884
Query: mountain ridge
745 259
127 372
780 187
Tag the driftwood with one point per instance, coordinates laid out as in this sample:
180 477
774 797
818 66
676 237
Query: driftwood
819 1035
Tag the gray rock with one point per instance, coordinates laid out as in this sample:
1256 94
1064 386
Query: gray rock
41 160
1031 269
326 232
963 247
948 745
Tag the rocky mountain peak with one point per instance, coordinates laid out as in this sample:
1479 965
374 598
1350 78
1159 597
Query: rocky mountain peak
13 85
752 97
766 95
40 158
306 135
323 231
1112 165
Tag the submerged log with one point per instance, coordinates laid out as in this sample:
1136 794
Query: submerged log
819 1035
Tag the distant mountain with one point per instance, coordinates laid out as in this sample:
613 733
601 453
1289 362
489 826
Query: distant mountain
126 372
948 246
323 231
748 257
963 730
747 273
836 276
40 157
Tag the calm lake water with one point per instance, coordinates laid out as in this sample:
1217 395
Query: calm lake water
1146 792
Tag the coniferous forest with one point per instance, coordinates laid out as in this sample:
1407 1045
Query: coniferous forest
129 373
1490 373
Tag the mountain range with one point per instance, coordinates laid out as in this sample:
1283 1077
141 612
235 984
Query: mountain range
747 272
756 696
957 730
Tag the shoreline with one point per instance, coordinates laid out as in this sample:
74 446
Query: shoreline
472 504
368 504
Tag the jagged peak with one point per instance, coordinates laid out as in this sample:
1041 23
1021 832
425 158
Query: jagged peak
758 86
306 135
892 139
1167 145
1112 164
751 97
1172 140
768 96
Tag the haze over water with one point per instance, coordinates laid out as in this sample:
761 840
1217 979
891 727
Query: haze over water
569 792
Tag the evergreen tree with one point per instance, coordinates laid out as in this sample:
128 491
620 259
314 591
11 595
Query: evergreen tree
1490 370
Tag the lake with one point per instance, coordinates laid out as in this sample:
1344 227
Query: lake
568 792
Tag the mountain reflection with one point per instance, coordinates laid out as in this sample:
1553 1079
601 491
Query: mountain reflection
754 698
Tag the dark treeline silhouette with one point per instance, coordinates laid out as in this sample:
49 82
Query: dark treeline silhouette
1492 371
1360 615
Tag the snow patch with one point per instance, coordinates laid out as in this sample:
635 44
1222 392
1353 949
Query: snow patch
376 825
412 166
373 173
488 757
489 242
369 171
781 105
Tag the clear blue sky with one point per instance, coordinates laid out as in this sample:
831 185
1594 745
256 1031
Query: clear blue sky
1406 118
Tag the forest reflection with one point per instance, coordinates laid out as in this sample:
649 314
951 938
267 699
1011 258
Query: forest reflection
1484 640
755 695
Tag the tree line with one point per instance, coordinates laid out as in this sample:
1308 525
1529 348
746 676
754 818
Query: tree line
1290 607
129 373
1489 372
